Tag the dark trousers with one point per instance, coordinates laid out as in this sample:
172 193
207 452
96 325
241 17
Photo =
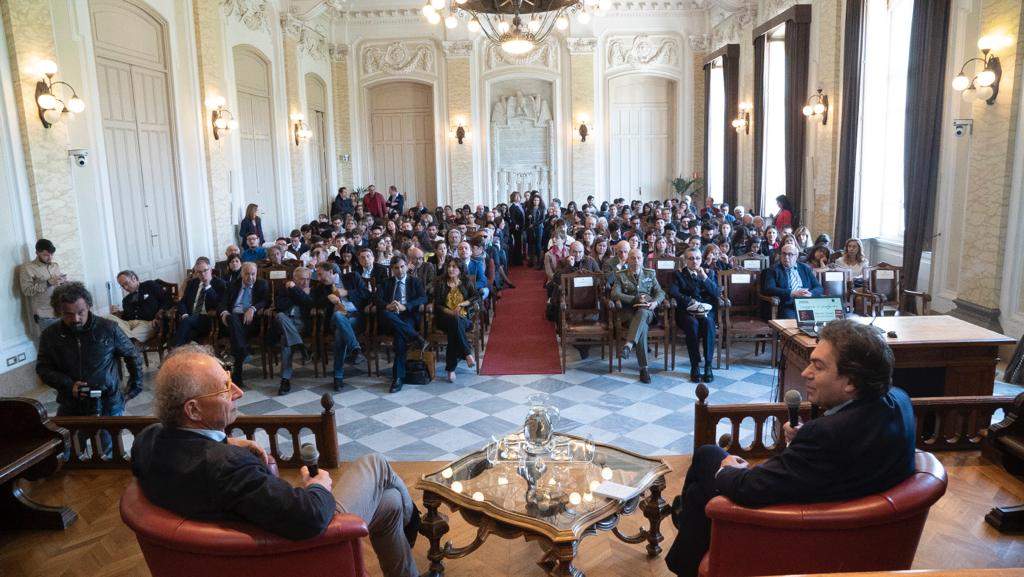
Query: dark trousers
699 331
535 246
190 328
403 330
110 405
516 246
458 344
239 334
694 536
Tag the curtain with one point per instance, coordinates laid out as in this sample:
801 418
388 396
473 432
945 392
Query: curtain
846 188
798 43
926 83
758 119
707 120
731 71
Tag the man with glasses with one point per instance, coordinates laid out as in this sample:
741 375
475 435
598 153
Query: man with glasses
186 463
790 279
292 319
240 311
202 294
696 294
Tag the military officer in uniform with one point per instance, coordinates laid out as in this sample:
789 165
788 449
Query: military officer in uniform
637 288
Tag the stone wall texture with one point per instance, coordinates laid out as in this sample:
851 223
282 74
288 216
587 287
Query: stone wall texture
296 154
583 170
342 121
460 156
699 118
55 212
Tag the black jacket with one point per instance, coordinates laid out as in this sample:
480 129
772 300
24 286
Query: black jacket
293 297
247 227
214 293
415 296
66 356
685 289
358 294
379 273
145 303
199 478
260 296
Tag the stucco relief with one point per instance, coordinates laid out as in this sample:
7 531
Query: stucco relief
458 48
254 14
397 57
522 132
732 29
643 50
578 46
338 52
309 40
545 56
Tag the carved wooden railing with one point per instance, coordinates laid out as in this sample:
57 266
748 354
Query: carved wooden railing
942 423
108 433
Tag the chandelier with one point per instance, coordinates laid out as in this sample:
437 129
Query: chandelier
517 26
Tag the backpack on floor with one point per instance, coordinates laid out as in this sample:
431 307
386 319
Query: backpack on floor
419 367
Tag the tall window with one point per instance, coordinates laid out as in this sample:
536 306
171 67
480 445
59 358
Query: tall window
773 162
883 101
716 132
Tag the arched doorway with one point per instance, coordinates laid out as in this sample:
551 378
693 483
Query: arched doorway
402 140
642 116
319 161
133 76
256 129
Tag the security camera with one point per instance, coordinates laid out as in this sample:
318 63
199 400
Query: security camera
962 126
80 155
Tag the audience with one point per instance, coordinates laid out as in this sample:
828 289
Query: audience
202 294
789 279
399 300
245 299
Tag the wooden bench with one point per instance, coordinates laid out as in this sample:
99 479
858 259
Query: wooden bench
32 448
1004 445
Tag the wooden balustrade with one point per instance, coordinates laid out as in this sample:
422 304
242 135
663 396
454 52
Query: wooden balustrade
87 433
942 423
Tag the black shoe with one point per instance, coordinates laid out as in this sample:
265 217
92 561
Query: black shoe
412 528
285 388
511 286
584 353
396 385
627 350
355 357
694 376
708 375
645 377
337 385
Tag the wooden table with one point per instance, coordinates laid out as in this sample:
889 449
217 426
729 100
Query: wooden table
939 356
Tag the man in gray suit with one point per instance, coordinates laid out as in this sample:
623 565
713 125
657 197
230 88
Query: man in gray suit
637 288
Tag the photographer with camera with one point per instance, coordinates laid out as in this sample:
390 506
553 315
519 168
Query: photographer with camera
79 356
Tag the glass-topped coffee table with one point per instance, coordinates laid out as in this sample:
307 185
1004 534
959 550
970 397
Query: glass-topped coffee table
558 510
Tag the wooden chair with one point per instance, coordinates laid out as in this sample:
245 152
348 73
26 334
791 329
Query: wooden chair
439 339
583 317
664 268
157 343
752 261
1004 445
739 314
837 283
660 333
884 293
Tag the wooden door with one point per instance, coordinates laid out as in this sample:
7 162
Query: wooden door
402 140
316 117
642 147
255 127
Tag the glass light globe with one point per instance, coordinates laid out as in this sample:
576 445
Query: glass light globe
460 2
517 46
433 17
51 116
819 108
808 111
437 4
473 26
983 93
427 10
76 105
968 95
47 67
47 101
221 123
533 26
457 486
503 27
215 101
583 17
985 78
450 21
562 23
232 124
961 82
297 116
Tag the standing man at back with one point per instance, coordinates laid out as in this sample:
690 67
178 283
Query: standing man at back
38 278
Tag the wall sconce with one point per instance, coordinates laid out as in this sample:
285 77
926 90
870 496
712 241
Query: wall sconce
300 130
221 118
742 120
584 130
51 108
985 84
460 129
817 105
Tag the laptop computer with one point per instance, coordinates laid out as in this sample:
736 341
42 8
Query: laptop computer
812 313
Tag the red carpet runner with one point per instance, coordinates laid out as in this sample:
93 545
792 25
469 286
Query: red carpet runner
522 341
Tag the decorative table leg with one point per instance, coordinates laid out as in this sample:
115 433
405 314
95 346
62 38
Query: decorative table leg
434 527
557 560
655 509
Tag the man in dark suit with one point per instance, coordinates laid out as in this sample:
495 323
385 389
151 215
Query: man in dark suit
142 302
399 300
292 320
396 200
373 273
202 293
187 464
863 444
790 279
240 311
696 293
343 305
516 227
221 269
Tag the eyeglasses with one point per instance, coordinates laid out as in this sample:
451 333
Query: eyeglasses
227 389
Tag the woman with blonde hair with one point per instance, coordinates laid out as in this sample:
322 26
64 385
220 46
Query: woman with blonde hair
251 224
853 259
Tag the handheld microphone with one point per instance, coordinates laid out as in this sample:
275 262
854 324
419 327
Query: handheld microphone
793 400
310 457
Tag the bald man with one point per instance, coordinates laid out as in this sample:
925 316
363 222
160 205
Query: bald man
637 289
620 253
421 269
240 311
186 463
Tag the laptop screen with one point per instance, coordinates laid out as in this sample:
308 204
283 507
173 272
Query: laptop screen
818 310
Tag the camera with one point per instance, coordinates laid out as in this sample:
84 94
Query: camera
90 392
962 126
80 155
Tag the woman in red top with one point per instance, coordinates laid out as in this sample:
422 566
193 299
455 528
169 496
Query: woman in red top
785 216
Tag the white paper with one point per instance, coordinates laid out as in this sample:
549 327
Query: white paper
616 491
583 281
740 279
278 274
833 276
752 263
885 274
666 265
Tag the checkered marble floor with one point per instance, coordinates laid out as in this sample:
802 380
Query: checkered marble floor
441 421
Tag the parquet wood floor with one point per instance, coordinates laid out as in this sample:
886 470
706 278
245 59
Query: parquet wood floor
99 545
